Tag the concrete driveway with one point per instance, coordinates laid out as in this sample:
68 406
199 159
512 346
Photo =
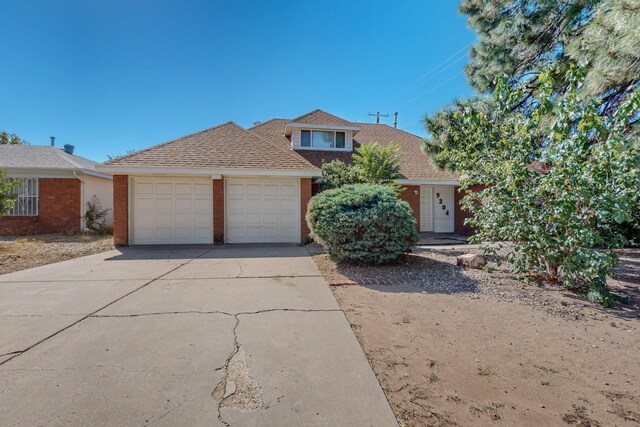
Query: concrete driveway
181 336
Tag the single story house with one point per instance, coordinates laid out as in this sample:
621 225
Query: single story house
228 184
53 189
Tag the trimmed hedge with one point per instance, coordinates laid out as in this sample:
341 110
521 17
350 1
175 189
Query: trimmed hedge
362 223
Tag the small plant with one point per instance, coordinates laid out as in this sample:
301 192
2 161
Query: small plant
95 217
372 164
362 223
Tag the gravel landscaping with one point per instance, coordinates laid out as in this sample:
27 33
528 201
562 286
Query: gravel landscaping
455 346
20 253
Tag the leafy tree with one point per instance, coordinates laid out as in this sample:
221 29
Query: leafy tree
522 38
7 194
11 139
549 199
372 164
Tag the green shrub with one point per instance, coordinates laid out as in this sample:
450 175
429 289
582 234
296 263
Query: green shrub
362 223
95 217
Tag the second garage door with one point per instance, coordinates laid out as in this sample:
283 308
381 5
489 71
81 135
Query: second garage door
262 210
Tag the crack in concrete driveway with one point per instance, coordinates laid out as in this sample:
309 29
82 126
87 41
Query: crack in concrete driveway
190 344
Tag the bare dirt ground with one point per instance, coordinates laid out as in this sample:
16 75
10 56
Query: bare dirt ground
466 347
20 253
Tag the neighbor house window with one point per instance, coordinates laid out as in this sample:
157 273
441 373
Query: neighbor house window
322 139
27 202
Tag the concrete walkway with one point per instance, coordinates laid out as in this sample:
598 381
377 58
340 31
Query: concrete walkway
181 336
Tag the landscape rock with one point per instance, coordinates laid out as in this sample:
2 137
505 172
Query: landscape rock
471 261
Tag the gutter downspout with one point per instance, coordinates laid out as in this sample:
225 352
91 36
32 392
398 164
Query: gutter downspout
82 204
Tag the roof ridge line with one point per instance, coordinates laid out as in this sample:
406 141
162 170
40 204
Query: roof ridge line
264 123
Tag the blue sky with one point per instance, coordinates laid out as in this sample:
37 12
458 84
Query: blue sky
114 75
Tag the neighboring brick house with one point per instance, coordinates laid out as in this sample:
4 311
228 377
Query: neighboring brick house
53 189
228 184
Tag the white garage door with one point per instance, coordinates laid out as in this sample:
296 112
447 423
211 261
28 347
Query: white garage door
262 210
172 210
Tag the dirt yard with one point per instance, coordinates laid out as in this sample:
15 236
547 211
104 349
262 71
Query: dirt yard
466 347
20 253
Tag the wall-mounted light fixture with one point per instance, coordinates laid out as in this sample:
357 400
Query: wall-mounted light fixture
415 192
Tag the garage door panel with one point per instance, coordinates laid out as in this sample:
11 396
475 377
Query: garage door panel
289 205
184 188
235 189
234 204
265 210
201 204
201 221
271 219
144 203
288 232
289 190
163 204
253 205
184 204
271 190
183 220
172 210
253 189
183 233
254 233
164 188
202 189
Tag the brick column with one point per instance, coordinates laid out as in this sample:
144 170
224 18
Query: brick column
305 196
121 210
409 195
218 211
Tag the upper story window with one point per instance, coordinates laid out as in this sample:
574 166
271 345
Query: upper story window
322 139
27 202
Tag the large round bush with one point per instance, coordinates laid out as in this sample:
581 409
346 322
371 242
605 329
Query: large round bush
364 223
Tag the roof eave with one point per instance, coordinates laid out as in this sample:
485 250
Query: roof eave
137 170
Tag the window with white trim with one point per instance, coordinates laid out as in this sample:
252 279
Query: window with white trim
27 202
322 139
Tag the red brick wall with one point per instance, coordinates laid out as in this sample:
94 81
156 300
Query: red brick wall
218 211
462 215
121 210
59 209
411 195
305 196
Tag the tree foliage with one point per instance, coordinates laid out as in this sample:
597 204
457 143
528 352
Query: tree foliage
362 223
372 163
522 38
11 139
553 190
7 193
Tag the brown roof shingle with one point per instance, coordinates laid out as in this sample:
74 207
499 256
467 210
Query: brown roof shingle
319 117
227 146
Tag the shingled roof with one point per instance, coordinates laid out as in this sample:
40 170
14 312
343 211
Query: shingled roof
415 163
41 157
319 117
265 146
227 146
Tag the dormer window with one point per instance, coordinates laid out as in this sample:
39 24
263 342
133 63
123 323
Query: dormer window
322 139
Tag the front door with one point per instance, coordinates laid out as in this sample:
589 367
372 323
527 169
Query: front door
436 208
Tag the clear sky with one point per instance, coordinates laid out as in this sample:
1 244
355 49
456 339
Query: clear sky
113 75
